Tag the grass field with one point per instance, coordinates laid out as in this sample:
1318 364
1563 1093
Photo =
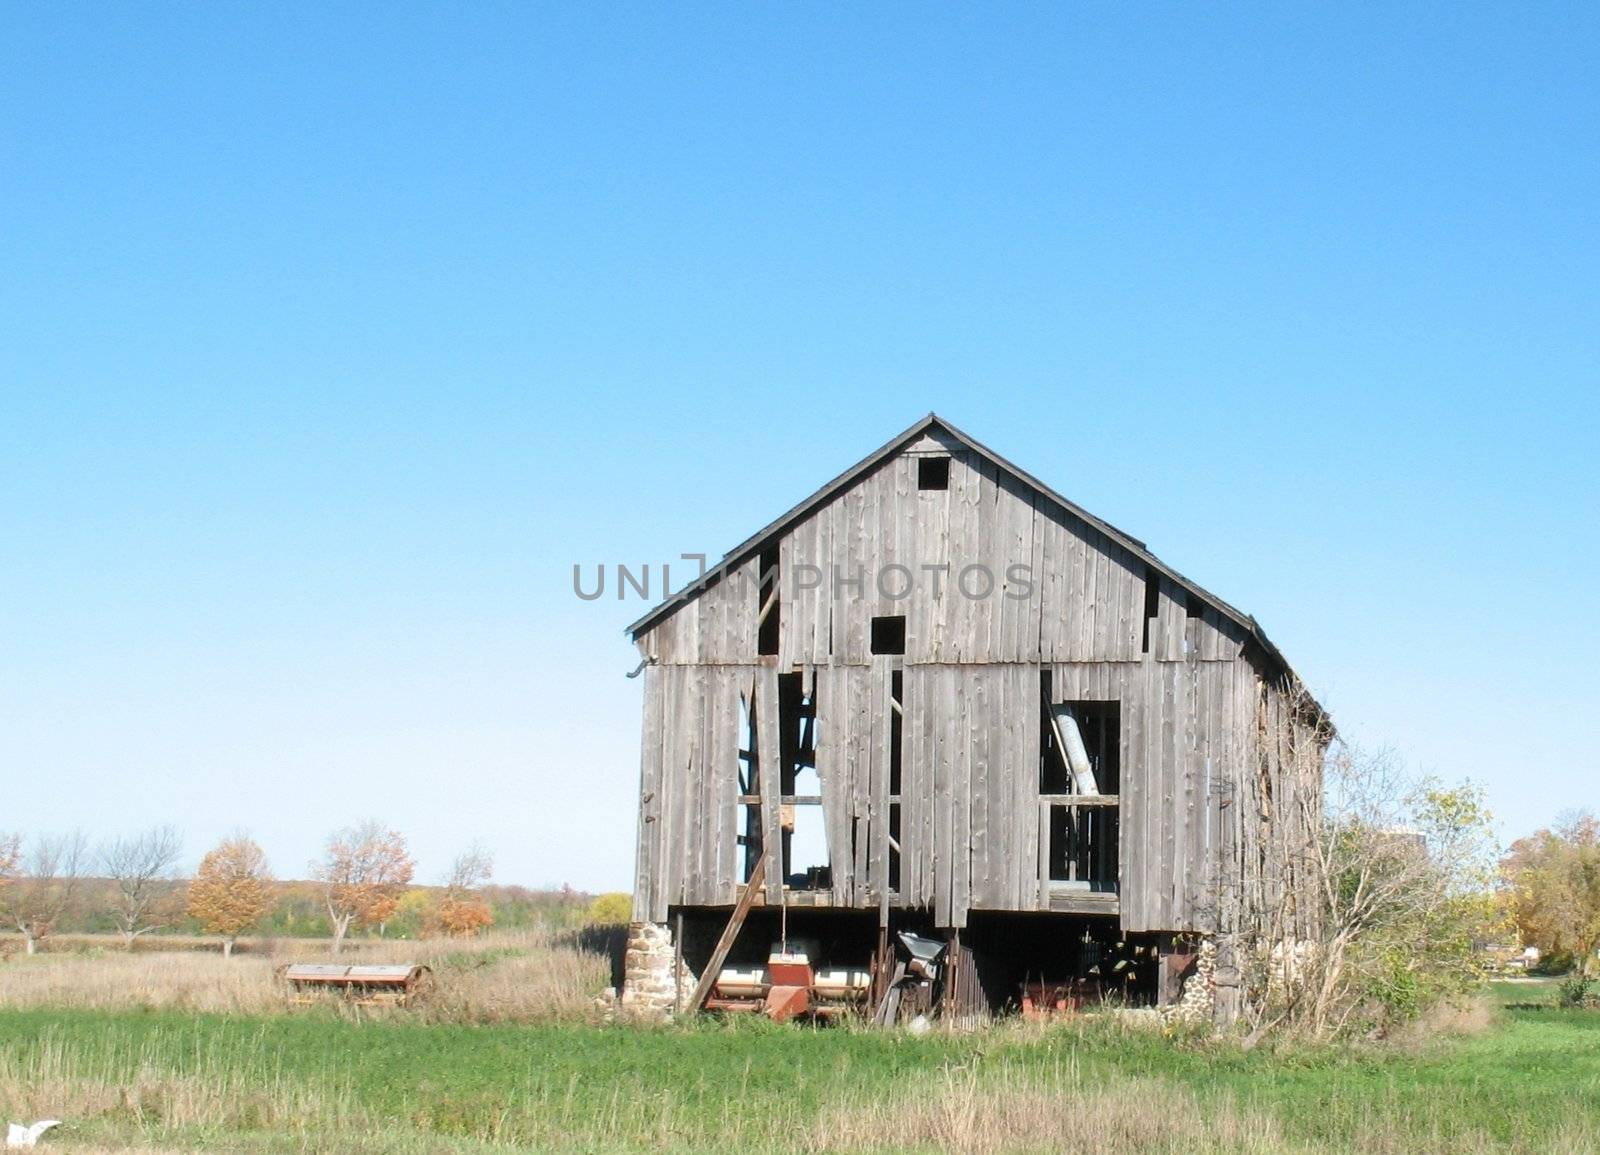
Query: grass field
154 1077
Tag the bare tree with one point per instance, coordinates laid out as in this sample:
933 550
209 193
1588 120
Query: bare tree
464 912
362 872
1392 881
43 883
143 869
471 869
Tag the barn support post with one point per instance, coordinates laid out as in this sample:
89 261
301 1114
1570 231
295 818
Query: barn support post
653 971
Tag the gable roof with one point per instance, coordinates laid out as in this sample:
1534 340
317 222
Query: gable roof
746 549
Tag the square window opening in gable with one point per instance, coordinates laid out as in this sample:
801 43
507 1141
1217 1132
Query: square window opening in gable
889 634
933 473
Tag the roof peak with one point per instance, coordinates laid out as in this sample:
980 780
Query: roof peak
894 445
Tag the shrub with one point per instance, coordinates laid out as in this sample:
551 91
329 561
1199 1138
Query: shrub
1573 992
614 909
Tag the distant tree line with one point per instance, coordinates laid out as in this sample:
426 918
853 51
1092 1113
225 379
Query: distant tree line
362 883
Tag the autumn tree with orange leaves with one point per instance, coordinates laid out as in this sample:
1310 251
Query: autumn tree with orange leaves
231 892
362 873
463 913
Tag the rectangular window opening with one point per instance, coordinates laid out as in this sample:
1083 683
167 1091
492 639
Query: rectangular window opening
894 846
805 848
896 726
806 862
1080 776
889 634
933 473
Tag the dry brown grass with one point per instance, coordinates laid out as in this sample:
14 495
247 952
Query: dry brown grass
512 977
981 1116
1442 1022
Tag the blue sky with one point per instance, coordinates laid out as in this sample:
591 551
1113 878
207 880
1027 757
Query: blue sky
331 339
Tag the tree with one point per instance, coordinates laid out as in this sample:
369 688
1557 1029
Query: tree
363 872
10 864
1393 881
463 912
42 883
142 869
231 892
1554 882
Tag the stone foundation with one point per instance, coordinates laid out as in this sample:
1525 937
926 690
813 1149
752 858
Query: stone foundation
1197 1004
649 988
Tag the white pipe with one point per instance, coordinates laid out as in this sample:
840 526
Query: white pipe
1077 754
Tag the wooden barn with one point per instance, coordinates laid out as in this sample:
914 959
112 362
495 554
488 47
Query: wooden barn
938 702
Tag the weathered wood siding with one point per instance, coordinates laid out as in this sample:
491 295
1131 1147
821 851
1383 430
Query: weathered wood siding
1200 766
1086 602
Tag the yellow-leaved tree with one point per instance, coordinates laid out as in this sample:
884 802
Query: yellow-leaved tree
231 892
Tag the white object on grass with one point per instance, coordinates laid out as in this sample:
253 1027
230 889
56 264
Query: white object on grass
19 1136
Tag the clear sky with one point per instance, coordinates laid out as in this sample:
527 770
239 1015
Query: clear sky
332 336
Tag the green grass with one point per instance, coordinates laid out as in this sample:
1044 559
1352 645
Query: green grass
1526 1084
